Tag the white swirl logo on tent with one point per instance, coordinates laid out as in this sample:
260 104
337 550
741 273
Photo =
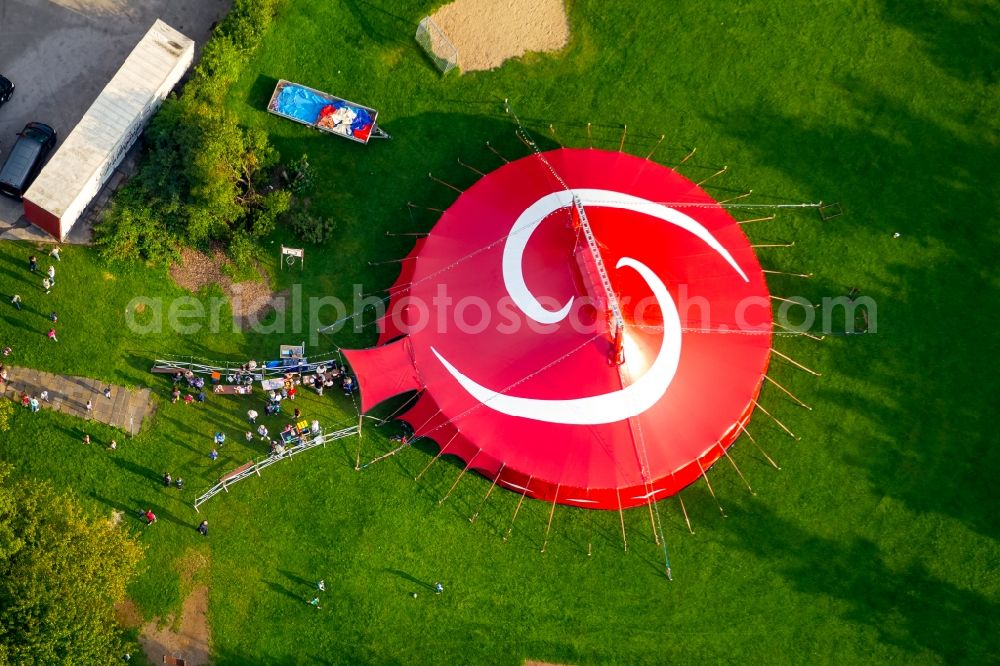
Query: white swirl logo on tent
644 392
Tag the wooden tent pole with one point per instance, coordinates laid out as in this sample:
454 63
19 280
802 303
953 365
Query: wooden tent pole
737 198
754 442
655 146
788 393
685 512
795 363
494 151
516 509
470 167
687 157
804 333
717 173
460 475
710 490
733 463
756 219
438 180
790 433
552 512
472 519
621 516
439 454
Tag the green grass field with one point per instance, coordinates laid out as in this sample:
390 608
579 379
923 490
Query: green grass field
878 539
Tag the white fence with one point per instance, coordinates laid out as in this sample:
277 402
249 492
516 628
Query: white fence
251 468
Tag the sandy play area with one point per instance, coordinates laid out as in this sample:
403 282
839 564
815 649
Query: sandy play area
488 32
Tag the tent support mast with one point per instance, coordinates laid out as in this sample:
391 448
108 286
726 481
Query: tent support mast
472 518
552 512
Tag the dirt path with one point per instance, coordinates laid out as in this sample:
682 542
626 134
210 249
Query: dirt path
488 32
191 640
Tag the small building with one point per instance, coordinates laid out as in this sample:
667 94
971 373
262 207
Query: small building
87 157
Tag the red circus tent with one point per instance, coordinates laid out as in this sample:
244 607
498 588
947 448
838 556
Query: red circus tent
511 317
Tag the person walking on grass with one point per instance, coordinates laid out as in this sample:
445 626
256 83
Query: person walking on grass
86 439
314 602
214 454
52 274
16 301
167 480
438 588
150 517
203 528
113 446
47 285
53 317
54 253
33 263
262 431
52 335
252 415
321 585
249 436
34 404
219 439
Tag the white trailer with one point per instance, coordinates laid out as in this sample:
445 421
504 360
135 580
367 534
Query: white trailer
96 146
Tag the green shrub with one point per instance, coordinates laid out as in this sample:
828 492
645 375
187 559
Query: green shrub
310 228
203 174
300 176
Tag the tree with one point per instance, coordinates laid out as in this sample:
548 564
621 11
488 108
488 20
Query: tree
61 573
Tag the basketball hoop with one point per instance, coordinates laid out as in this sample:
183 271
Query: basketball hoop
290 254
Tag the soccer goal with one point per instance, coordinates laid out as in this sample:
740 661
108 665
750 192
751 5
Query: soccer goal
437 45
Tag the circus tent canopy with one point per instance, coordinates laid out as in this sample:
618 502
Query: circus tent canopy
511 337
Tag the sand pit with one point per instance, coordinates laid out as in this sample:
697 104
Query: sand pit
488 32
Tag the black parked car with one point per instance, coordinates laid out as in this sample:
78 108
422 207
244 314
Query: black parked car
25 159
6 89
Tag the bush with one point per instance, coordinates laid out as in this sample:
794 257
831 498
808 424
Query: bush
310 228
6 414
300 176
203 174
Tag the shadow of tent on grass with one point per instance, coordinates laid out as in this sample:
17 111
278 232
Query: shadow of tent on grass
905 604
935 404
